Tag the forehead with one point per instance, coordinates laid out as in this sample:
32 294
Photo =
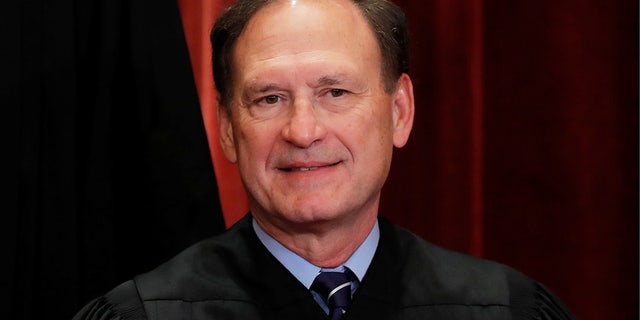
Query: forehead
306 29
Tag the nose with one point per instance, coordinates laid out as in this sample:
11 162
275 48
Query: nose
303 127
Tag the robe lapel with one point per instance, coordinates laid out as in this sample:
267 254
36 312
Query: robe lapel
378 294
275 287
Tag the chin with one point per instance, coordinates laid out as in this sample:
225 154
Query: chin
309 214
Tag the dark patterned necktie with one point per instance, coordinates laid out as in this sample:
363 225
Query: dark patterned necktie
335 289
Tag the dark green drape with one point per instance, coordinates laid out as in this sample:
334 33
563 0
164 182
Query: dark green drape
110 172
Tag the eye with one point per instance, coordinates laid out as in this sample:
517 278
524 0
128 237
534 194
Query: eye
336 92
272 99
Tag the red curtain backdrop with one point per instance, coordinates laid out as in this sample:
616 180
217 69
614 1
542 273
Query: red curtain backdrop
197 18
525 143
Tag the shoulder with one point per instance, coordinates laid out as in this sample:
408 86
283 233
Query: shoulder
121 303
435 276
212 269
442 276
208 270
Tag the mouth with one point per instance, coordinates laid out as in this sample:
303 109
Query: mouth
308 168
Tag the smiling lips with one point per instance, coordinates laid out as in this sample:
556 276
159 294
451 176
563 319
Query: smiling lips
302 168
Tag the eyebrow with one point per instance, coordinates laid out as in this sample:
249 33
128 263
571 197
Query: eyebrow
260 88
331 80
327 80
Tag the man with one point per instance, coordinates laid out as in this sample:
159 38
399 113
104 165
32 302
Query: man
314 96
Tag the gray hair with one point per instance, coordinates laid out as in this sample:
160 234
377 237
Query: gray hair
386 19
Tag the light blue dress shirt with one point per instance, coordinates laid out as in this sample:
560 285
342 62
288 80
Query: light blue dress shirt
306 272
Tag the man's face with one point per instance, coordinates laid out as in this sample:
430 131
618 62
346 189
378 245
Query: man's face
311 126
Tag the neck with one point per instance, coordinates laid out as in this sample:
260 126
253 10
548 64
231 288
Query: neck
326 244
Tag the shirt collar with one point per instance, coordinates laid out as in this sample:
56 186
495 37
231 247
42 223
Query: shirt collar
306 272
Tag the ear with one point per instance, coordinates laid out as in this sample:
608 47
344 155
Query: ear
225 130
403 110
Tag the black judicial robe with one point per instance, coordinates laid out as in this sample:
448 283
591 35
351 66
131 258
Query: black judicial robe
233 276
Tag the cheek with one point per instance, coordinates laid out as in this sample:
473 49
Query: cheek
377 124
366 135
255 142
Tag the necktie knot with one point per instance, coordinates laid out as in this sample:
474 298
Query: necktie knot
335 289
